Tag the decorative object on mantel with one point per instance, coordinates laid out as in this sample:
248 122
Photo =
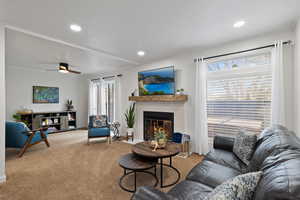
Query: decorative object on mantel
180 91
133 93
160 98
69 105
130 120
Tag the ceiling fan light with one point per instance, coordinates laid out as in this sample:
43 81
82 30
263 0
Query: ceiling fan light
63 71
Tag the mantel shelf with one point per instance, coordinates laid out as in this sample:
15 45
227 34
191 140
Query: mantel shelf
159 98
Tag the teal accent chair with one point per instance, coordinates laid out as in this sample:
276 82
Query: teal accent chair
18 135
97 132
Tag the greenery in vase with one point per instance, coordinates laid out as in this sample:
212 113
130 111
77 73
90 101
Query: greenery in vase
130 116
159 134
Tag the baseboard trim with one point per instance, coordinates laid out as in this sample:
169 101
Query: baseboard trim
2 179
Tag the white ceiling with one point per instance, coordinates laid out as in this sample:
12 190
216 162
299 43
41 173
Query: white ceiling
160 27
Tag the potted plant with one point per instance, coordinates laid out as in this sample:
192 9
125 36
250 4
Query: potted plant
17 117
69 105
130 118
180 91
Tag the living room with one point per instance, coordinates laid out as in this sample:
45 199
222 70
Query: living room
149 100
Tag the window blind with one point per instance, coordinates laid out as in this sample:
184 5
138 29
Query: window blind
239 95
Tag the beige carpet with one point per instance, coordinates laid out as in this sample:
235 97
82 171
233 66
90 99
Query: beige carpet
71 169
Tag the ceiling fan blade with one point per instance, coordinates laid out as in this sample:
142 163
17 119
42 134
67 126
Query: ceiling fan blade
75 72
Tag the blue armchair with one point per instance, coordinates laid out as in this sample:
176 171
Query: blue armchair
18 135
98 127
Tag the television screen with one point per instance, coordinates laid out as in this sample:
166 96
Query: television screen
157 82
43 94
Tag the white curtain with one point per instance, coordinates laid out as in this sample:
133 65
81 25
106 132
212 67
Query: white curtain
118 99
92 102
200 136
278 105
94 97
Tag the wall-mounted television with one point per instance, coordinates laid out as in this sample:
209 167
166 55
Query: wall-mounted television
157 81
42 94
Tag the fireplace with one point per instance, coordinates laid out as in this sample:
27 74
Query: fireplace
154 120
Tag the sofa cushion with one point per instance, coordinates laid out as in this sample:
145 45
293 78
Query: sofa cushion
281 177
244 145
226 158
241 187
211 173
190 190
274 143
271 131
98 132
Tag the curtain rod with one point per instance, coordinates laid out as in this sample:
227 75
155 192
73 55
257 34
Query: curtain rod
238 52
106 77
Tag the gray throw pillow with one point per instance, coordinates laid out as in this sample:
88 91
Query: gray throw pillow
244 146
99 121
241 187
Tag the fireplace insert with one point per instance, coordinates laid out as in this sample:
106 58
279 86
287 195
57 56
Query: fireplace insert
153 120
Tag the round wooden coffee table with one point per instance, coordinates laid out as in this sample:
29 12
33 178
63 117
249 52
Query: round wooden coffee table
134 164
144 149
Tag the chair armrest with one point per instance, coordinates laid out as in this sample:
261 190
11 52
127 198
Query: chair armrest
225 143
35 130
149 193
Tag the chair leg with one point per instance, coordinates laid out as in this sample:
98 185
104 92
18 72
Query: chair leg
44 137
88 141
26 145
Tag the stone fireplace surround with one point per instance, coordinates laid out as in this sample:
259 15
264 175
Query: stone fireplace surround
172 107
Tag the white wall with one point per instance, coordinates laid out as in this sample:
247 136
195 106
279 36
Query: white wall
2 103
297 80
19 82
185 72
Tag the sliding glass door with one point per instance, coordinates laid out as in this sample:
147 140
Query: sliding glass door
108 99
102 98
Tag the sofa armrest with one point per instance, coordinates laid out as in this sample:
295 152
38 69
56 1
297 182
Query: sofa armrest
149 193
225 143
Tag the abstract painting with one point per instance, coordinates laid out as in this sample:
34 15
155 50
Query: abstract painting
42 94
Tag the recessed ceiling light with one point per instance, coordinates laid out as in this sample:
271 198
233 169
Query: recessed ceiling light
141 53
239 24
75 28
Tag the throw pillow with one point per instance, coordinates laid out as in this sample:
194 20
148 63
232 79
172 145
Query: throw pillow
241 187
244 146
99 121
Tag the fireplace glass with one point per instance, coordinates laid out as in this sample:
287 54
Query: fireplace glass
156 120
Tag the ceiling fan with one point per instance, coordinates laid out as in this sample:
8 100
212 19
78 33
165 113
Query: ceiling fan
64 68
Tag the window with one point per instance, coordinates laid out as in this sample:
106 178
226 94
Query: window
102 98
239 95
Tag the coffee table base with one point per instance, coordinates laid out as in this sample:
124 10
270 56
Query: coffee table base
161 173
134 172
